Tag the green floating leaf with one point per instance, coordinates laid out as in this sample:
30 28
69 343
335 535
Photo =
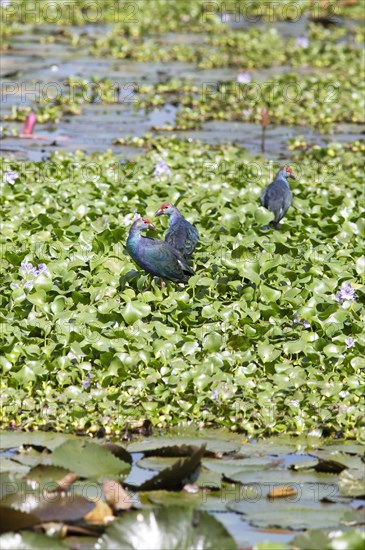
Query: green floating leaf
29 541
176 475
174 528
50 440
183 446
263 216
89 460
353 539
135 310
201 500
352 483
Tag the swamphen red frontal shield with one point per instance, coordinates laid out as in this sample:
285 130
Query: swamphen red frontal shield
156 257
182 235
277 196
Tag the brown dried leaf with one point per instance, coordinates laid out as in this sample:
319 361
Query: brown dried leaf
282 492
116 496
66 482
101 514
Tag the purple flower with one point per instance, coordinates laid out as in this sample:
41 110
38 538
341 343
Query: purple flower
86 382
302 42
10 176
27 268
346 293
28 285
244 78
247 112
14 285
215 395
162 169
349 342
42 268
305 323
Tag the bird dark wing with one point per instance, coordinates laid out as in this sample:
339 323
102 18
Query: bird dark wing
276 198
160 259
183 237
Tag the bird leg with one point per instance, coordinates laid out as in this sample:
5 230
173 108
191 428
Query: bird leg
148 287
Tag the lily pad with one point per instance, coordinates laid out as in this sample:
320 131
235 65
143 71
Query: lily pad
183 446
176 475
353 539
169 527
29 541
89 460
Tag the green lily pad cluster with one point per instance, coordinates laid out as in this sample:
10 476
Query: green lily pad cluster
59 490
258 340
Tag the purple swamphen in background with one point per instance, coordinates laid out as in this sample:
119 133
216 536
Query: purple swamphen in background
154 256
182 235
277 196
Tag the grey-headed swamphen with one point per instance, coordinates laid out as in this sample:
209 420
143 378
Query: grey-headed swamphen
277 196
182 235
154 256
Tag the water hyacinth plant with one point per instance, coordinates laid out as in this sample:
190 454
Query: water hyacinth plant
10 176
161 169
346 293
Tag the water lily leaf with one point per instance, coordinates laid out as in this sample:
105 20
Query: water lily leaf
336 462
12 466
49 506
352 539
29 541
168 527
50 440
352 483
235 465
90 460
183 446
201 500
281 476
176 475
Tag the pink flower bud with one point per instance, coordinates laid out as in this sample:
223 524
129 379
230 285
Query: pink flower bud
29 124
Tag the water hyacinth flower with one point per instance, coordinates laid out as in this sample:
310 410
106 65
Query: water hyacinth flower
244 78
247 112
162 169
215 395
29 124
306 324
301 42
42 268
10 176
86 382
350 342
346 293
29 272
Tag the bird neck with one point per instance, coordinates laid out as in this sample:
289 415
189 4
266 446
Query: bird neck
134 234
280 177
175 215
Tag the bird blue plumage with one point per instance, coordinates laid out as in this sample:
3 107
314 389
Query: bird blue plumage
181 235
277 196
156 257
